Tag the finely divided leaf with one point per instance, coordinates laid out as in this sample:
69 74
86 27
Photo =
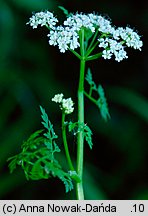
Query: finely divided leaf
65 11
13 163
102 104
72 126
38 156
47 124
90 80
77 127
88 136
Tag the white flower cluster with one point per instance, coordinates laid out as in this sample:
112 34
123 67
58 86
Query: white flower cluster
112 41
65 104
67 36
64 37
58 98
115 45
111 47
43 19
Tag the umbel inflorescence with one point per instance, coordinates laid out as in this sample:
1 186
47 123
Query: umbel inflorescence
110 41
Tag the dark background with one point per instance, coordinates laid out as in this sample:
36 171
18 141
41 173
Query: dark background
31 72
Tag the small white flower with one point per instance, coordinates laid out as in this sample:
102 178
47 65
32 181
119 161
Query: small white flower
74 43
116 34
62 44
78 21
106 54
58 98
103 42
64 37
114 45
131 38
67 105
43 19
53 36
120 55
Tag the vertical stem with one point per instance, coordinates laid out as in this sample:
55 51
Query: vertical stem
80 141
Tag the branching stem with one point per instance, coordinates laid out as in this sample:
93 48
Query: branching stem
90 98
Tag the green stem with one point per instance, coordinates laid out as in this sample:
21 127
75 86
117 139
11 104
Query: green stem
92 42
90 98
75 53
65 143
80 140
93 57
92 48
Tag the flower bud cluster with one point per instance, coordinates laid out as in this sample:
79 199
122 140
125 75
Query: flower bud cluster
65 104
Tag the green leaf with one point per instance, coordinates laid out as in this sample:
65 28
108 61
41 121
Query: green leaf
47 124
65 178
65 11
102 104
74 175
37 157
44 116
38 171
34 135
56 147
72 126
90 80
88 135
77 127
33 140
13 163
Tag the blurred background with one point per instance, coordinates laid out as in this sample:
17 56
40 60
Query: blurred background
31 72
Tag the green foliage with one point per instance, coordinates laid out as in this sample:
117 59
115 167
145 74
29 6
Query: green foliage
65 11
88 135
38 156
89 79
50 134
101 102
76 127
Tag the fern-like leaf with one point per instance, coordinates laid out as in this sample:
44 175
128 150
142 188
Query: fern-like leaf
77 127
65 11
88 136
13 162
37 157
89 79
102 104
47 124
